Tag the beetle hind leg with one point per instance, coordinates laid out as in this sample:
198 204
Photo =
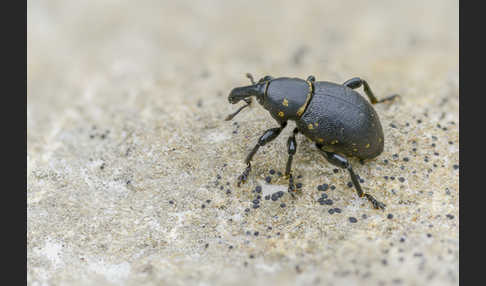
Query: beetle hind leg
357 82
342 162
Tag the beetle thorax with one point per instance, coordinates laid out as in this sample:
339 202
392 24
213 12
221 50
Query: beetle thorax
286 98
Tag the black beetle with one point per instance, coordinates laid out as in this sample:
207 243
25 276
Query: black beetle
337 118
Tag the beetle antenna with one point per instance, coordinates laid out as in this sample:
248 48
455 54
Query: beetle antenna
232 115
248 75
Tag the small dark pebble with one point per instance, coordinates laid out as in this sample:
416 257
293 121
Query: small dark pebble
386 177
350 184
402 239
392 178
218 177
323 187
272 171
429 235
406 159
228 192
456 167
258 189
364 216
282 205
449 216
389 216
256 201
203 206
171 202
335 171
268 179
324 196
337 210
385 161
326 202
299 177
279 174
299 185
333 187
255 206
267 197
256 233
401 179
352 219
247 210
331 211
252 256
274 197
208 201
230 247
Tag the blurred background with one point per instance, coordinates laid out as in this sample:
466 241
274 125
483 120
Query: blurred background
125 109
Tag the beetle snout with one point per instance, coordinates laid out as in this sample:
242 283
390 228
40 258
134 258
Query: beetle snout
237 94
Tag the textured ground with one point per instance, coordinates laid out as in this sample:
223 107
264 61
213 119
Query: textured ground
131 167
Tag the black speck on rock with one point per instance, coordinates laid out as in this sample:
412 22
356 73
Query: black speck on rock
268 179
449 216
352 220
389 216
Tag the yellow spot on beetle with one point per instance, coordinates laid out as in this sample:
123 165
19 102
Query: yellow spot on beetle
316 124
285 102
355 150
281 114
367 145
334 141
310 126
379 139
320 140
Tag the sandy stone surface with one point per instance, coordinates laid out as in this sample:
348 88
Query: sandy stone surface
132 168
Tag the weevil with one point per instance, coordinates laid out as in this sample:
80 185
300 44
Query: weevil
340 121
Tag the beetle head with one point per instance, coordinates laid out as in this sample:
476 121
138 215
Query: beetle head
240 93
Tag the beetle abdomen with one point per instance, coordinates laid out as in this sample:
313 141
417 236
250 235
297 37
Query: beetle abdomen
285 97
342 121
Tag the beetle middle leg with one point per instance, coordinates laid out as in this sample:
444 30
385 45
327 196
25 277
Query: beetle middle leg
342 162
357 82
268 136
292 148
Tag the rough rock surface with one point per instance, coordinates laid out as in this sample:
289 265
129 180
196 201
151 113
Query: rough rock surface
131 167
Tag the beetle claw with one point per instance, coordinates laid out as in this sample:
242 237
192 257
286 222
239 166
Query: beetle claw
244 176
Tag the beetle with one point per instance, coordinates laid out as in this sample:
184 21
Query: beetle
340 121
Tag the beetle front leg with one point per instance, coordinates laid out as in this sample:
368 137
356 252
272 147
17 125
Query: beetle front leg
268 136
357 82
292 148
342 162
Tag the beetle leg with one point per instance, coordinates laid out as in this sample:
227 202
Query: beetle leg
268 136
357 82
342 162
292 148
